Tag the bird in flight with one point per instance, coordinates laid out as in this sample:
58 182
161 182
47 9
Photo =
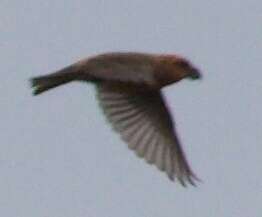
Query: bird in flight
128 88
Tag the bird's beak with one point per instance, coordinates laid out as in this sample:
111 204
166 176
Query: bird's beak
195 74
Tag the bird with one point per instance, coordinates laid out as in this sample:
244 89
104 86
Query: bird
129 91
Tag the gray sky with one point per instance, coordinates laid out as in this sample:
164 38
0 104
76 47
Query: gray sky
59 157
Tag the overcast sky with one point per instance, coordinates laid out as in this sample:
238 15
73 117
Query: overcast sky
60 158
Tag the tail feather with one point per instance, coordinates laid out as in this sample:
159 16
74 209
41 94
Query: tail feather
43 83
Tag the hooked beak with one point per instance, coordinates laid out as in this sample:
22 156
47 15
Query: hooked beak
195 74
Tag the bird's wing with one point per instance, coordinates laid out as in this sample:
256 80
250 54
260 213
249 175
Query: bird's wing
144 122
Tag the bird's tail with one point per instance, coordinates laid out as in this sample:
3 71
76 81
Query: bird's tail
43 83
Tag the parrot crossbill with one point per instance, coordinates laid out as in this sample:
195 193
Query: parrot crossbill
129 91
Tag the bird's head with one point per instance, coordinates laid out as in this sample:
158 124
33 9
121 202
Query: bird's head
182 68
173 68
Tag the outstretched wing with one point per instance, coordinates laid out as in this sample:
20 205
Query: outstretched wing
143 121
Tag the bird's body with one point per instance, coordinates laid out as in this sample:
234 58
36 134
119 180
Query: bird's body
124 67
129 91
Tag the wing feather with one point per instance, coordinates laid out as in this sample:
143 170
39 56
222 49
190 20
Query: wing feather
144 123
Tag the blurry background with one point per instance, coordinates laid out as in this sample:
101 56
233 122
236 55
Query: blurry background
58 155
